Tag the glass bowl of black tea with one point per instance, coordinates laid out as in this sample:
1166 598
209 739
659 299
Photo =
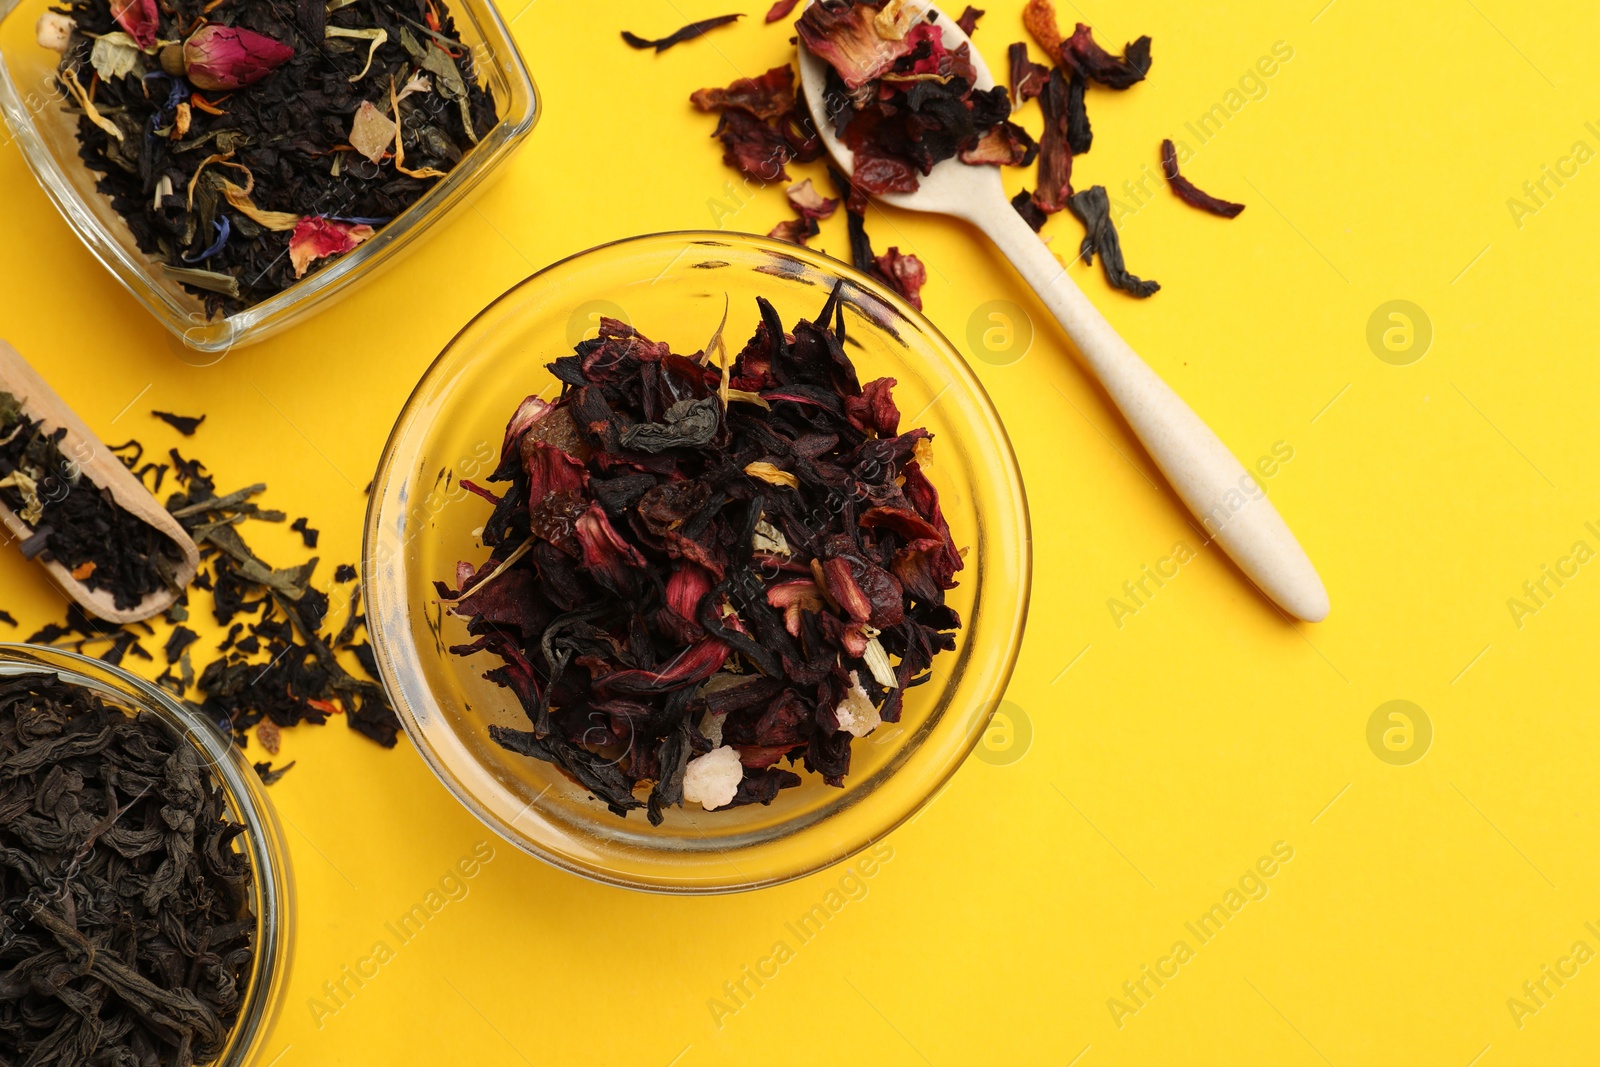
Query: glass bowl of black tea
146 892
697 562
237 166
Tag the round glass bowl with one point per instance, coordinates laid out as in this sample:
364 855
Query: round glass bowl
271 894
420 523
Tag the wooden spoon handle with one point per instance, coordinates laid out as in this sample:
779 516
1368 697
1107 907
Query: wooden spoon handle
1228 501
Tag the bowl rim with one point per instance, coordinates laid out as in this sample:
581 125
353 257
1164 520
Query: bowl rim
936 785
137 273
270 862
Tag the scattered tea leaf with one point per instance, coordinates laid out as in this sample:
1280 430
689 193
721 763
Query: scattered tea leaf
184 424
307 534
687 33
265 770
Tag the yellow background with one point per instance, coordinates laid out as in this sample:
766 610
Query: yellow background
1178 748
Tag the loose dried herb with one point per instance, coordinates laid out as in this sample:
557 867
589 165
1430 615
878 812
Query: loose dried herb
182 423
762 126
1188 192
307 534
1029 211
811 206
686 616
1027 77
901 101
75 522
904 274
687 33
277 663
1093 209
1055 146
1081 54
781 10
127 935
1088 59
226 133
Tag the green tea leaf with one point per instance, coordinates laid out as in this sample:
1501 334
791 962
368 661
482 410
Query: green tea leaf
448 80
210 280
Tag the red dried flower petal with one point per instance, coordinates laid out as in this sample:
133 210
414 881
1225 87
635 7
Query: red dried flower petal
140 18
752 146
1027 77
906 273
1083 54
766 97
874 411
840 32
317 237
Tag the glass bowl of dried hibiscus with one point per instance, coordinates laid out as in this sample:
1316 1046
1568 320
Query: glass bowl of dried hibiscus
697 562
238 165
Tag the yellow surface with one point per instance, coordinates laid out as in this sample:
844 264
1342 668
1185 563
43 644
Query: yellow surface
1167 755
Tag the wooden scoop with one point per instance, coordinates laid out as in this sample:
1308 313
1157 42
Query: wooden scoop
1208 478
105 470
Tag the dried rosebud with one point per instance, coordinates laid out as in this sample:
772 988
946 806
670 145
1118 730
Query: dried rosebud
140 18
54 31
317 236
226 57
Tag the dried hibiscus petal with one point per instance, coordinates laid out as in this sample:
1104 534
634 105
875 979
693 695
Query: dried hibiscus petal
1027 77
1055 147
1085 56
229 57
906 273
1005 145
781 10
1188 192
1093 209
969 20
752 146
845 34
766 97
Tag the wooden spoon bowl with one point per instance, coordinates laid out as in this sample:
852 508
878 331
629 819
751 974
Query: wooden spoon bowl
102 468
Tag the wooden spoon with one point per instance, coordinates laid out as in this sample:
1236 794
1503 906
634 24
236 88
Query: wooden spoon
1213 484
105 470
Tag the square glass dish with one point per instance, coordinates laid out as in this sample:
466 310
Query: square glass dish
33 103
